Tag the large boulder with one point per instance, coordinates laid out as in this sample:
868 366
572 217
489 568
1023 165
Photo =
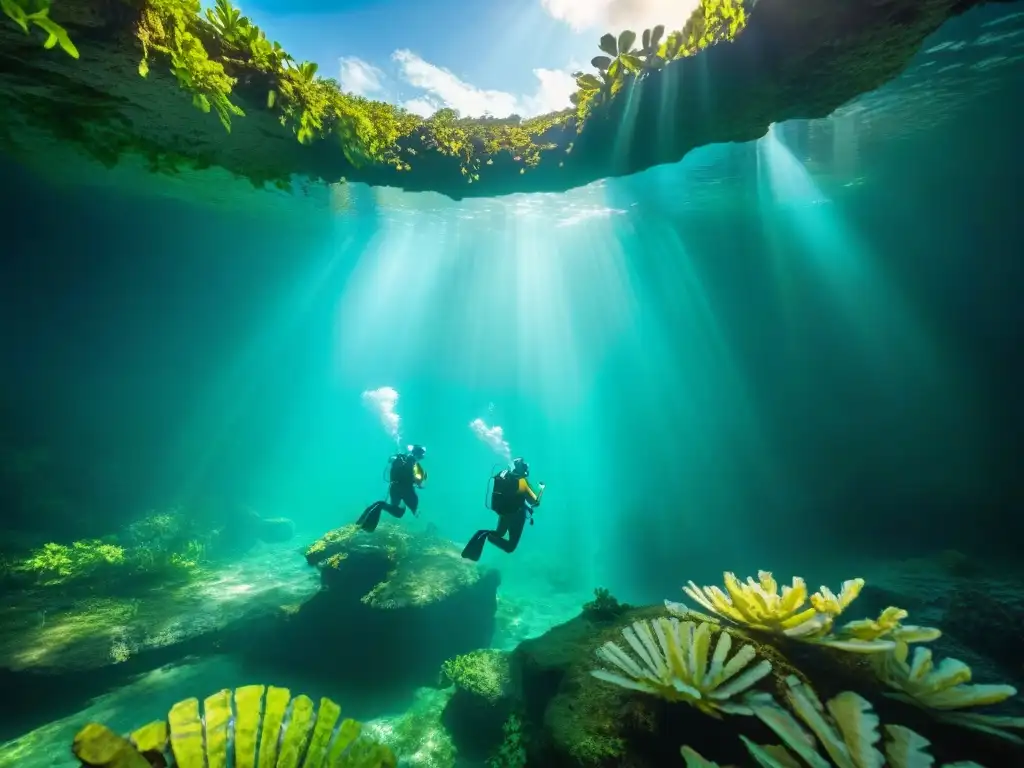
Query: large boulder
393 607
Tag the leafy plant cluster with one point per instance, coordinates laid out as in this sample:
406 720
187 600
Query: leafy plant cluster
484 673
36 13
210 53
107 561
623 61
58 563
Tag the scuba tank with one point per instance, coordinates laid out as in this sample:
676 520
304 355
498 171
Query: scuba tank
401 468
385 474
489 487
504 490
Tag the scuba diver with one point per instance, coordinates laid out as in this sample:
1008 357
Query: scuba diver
514 500
405 475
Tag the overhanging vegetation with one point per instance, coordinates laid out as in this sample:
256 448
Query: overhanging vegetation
114 76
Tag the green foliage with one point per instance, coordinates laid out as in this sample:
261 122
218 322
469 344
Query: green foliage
484 673
162 555
26 13
711 22
594 749
604 606
56 564
511 753
170 27
211 52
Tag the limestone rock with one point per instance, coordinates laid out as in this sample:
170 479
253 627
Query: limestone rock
393 607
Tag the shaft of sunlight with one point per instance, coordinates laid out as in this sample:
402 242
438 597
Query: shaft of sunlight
210 427
515 299
903 359
842 265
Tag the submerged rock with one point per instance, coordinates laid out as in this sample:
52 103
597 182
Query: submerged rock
66 646
481 704
417 736
393 607
46 630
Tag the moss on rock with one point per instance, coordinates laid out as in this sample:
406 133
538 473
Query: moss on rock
482 702
414 569
483 673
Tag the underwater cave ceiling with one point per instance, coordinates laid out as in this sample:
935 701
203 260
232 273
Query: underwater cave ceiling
794 59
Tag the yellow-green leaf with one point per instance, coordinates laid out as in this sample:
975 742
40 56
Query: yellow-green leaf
631 62
16 14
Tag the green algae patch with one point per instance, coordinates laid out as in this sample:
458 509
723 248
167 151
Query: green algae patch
189 90
483 673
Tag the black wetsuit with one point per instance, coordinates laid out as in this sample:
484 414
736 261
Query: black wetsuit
513 505
406 474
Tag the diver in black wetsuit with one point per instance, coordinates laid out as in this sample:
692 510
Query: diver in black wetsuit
406 475
514 500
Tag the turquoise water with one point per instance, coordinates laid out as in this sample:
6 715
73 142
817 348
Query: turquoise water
798 354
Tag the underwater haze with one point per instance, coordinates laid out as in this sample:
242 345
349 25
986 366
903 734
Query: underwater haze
800 354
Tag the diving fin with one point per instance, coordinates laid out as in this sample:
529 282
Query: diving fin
475 548
370 518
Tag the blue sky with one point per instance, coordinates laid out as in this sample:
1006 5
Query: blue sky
477 56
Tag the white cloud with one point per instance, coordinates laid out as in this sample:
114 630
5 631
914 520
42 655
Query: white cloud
360 77
422 106
616 15
444 89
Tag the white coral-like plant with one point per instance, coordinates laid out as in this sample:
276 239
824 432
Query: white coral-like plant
847 728
676 663
761 606
945 690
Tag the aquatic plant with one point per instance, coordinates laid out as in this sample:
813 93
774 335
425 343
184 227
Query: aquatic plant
945 690
239 727
36 13
55 564
846 727
483 672
604 606
758 605
676 664
511 753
